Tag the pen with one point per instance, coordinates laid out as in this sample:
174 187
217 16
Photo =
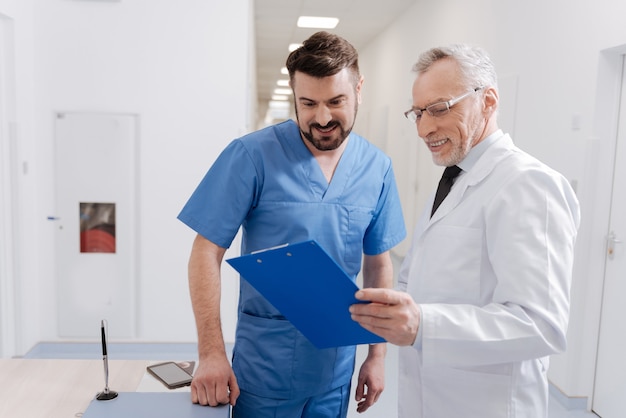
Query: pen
104 358
106 394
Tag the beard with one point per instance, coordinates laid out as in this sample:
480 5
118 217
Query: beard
326 143
455 155
460 147
330 142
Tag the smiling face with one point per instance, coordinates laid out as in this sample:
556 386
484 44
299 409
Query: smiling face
451 136
326 108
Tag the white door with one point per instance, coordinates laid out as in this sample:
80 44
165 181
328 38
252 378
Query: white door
610 386
95 166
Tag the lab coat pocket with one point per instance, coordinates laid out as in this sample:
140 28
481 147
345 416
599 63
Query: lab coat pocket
453 275
476 391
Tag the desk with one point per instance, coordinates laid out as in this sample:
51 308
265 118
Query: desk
32 388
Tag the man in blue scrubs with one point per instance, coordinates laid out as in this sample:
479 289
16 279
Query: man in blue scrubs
310 179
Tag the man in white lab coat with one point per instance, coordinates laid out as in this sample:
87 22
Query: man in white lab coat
483 296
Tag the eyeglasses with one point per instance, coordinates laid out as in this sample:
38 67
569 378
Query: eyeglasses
437 109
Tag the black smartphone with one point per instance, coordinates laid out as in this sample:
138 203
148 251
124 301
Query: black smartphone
170 374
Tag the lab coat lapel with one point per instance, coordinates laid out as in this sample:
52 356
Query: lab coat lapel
476 174
452 200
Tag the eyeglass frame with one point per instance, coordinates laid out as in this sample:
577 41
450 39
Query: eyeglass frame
448 103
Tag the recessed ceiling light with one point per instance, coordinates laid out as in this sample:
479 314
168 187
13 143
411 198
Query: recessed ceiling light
283 83
284 71
278 104
293 47
317 22
282 92
278 97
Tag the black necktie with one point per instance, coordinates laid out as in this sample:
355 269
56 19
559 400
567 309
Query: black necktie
445 184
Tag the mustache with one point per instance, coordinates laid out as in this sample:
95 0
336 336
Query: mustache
329 125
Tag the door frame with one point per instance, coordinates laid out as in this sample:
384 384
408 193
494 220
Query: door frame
602 153
9 215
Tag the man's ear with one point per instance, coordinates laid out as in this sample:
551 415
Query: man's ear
358 87
490 100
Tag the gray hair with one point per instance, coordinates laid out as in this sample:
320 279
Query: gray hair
476 67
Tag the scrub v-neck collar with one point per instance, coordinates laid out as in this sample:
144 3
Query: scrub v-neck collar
312 171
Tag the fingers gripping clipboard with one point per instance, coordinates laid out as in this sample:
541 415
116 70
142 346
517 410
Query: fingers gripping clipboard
310 289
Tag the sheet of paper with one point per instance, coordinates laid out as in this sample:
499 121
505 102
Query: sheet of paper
310 289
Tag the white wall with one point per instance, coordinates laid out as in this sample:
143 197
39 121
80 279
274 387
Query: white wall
182 67
20 15
551 52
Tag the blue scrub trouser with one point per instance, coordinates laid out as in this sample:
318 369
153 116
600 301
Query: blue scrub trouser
333 404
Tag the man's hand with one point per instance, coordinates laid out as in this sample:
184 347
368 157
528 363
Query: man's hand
214 382
371 381
391 314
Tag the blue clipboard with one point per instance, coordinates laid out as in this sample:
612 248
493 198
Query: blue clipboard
310 289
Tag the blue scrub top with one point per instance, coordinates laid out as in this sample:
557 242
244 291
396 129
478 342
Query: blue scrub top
269 183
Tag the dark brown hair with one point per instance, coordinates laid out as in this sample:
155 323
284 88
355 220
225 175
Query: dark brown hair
323 55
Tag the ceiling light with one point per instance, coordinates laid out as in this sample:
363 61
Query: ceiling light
282 92
284 71
317 22
283 83
277 111
279 97
278 104
293 47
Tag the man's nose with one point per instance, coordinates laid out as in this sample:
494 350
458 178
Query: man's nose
323 115
425 125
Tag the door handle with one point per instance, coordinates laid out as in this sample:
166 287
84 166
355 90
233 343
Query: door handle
612 242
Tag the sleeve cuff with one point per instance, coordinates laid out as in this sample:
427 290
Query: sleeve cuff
417 344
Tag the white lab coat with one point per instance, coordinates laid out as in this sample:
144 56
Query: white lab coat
491 272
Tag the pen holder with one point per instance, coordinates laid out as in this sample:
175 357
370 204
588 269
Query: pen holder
106 395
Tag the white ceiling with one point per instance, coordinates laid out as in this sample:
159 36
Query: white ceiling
275 28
